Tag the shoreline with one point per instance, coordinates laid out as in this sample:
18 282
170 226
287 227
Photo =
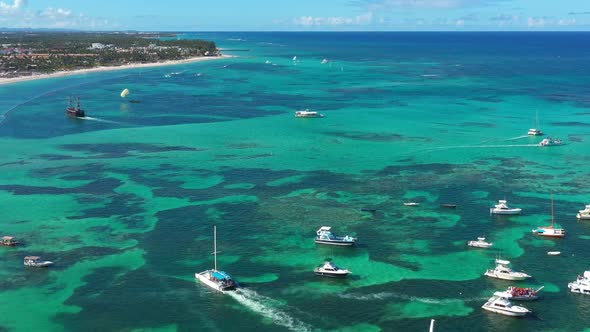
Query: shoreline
6 81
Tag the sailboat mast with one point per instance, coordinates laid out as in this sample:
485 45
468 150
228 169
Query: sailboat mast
551 209
537 120
215 245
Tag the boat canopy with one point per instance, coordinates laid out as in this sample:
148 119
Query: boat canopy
503 262
324 228
221 275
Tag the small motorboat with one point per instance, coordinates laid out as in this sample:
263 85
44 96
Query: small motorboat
411 204
8 241
35 261
325 236
581 285
330 269
519 293
368 209
452 206
503 208
550 142
584 214
553 253
306 113
480 243
503 271
503 306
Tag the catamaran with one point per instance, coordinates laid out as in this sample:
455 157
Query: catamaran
581 285
536 131
218 280
550 231
520 293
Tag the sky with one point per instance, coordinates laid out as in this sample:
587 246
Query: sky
298 15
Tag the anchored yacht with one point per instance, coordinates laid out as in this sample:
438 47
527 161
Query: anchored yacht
503 306
503 208
503 271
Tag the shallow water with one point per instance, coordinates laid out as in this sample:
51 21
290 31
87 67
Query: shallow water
124 201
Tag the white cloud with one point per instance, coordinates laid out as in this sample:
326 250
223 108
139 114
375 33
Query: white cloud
310 21
373 5
16 15
17 5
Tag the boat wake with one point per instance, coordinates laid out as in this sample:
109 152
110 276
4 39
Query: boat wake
101 120
516 138
268 308
390 295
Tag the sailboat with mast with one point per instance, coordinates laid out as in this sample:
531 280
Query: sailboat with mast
550 231
536 131
218 280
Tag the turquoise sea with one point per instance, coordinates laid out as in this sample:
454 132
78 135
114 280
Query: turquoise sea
124 202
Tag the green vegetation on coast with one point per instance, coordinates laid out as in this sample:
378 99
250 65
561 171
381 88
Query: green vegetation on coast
30 53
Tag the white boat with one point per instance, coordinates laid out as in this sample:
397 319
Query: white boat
218 280
553 253
503 271
584 214
535 131
550 142
124 93
306 113
325 236
480 243
35 261
581 285
519 293
504 307
411 204
503 208
324 61
330 269
550 231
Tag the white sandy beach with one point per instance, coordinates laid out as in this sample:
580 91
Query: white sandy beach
4 81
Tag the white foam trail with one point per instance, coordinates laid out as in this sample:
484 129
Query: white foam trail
268 308
389 295
101 120
515 138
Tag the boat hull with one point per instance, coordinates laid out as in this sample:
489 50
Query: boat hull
575 288
516 298
40 264
330 274
504 312
204 278
583 216
508 212
335 243
506 277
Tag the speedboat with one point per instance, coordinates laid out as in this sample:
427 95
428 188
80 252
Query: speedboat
550 142
480 243
35 261
519 293
411 204
325 236
503 208
330 269
218 280
306 113
584 214
503 271
452 206
503 306
8 241
550 231
553 253
581 285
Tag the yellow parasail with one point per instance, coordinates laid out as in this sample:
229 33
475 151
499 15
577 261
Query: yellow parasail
124 93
